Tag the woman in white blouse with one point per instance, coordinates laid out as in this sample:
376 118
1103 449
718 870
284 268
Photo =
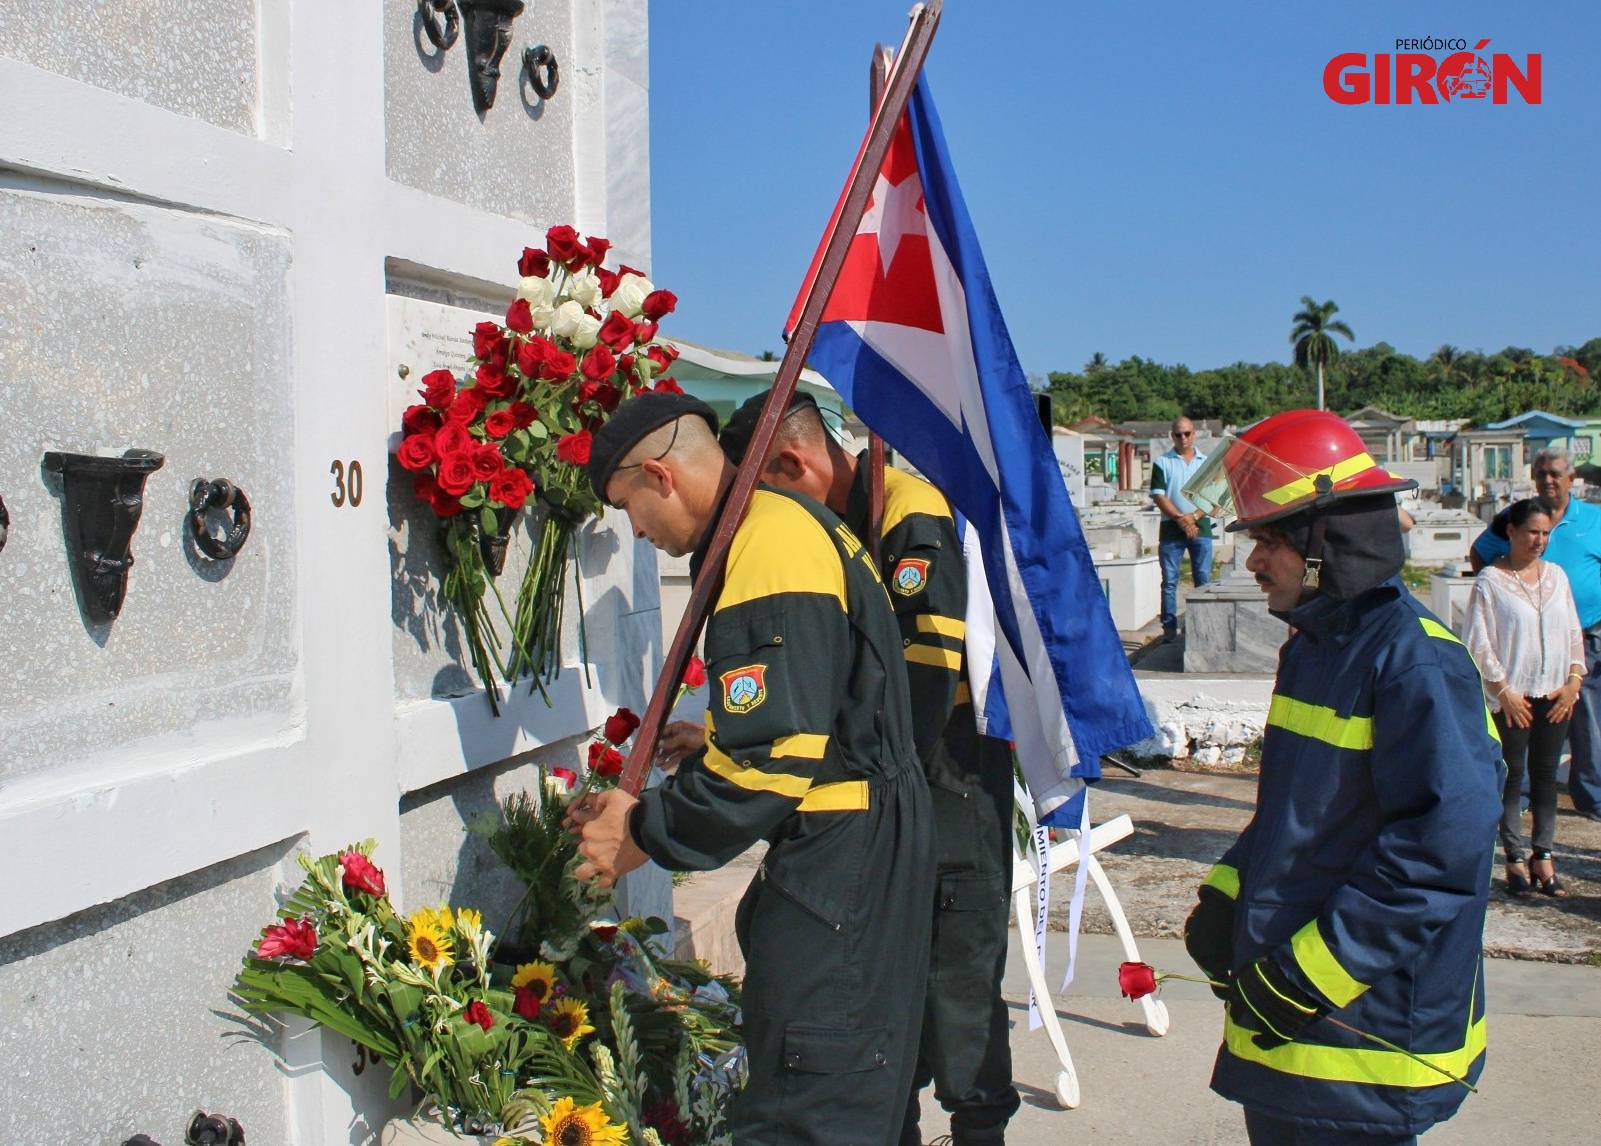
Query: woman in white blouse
1524 632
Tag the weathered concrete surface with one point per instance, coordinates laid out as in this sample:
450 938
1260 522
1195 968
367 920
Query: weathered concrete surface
1184 820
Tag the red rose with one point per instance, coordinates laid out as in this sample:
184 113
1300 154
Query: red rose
439 389
694 673
616 332
574 448
486 461
603 394
417 452
291 939
532 355
1136 980
597 250
486 336
658 354
456 473
446 506
645 331
658 304
667 385
599 364
511 487
453 439
360 874
520 316
663 1118
608 281
620 725
559 365
566 776
523 415
527 1004
534 263
418 419
605 932
500 423
476 1012
466 408
605 760
494 382
625 269
563 245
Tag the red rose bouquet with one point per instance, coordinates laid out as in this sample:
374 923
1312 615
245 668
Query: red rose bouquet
577 340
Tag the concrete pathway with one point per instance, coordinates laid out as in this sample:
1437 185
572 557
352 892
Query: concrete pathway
1541 1084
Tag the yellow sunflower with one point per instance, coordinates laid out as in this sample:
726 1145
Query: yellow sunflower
429 942
569 1020
569 1124
539 978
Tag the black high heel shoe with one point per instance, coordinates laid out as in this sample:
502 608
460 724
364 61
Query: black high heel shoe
1548 885
1517 884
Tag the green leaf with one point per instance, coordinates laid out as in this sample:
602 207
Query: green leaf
538 432
474 497
487 522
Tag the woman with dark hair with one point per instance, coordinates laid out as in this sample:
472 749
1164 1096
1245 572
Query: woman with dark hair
1524 632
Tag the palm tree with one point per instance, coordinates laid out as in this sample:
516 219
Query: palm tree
1311 337
1448 358
1096 364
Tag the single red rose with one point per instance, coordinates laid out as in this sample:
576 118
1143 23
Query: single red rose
456 475
616 332
560 365
574 448
486 461
658 304
520 316
453 439
599 364
360 874
532 354
645 331
511 487
486 336
291 939
499 355
1136 980
446 506
465 409
420 419
667 385
608 281
605 760
620 725
494 382
658 354
566 776
597 250
563 245
527 1004
417 452
695 673
608 396
534 263
523 415
500 423
438 389
605 932
476 1012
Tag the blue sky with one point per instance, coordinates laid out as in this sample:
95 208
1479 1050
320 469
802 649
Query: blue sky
1163 179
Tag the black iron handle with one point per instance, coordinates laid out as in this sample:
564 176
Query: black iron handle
5 522
219 494
441 36
541 59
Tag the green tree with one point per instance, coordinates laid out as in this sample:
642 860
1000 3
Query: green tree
1312 336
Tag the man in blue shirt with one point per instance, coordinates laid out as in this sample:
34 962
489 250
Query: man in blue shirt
1575 546
1185 529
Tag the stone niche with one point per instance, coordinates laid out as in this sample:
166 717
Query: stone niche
1227 627
181 346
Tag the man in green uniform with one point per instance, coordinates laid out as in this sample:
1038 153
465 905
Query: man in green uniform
964 1050
809 746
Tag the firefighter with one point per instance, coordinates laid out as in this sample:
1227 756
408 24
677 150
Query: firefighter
1358 889
964 1051
809 747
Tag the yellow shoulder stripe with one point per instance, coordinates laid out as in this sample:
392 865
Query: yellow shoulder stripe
1435 629
1320 723
780 548
905 495
944 626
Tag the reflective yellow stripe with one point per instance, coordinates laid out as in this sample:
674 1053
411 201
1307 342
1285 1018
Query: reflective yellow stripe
1435 629
1348 1064
944 626
802 745
1320 723
1320 966
964 695
844 796
780 548
1489 725
932 655
906 494
1307 486
1225 878
753 779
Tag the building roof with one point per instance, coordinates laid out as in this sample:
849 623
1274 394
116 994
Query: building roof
1534 416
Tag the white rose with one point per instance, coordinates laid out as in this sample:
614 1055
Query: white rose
539 292
585 289
566 319
630 294
543 316
586 332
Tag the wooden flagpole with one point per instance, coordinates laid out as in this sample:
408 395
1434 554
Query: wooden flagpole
897 90
875 444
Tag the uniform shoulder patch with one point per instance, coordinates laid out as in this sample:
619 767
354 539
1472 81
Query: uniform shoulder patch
744 688
911 575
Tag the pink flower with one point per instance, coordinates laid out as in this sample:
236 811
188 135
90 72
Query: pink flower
291 939
360 874
476 1012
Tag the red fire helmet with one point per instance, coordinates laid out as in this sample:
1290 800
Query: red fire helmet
1296 460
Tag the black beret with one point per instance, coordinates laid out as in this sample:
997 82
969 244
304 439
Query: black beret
631 421
736 436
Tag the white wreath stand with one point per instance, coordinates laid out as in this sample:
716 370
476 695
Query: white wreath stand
1024 878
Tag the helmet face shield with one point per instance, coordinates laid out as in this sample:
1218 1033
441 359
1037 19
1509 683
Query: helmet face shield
1208 488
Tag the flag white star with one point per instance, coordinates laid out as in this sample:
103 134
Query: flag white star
893 214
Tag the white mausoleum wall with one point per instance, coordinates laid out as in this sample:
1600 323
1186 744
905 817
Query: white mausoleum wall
211 218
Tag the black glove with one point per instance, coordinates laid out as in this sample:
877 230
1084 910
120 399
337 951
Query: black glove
1209 937
1263 998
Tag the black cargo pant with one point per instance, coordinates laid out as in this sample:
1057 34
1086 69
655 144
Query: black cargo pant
835 932
965 1049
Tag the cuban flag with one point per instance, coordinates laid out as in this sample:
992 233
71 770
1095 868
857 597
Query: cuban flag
913 339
